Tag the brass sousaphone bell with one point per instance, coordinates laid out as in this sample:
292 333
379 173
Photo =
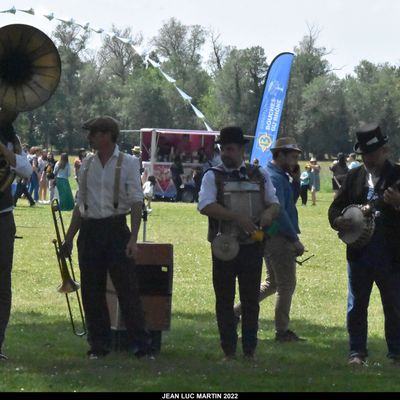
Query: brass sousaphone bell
30 70
30 67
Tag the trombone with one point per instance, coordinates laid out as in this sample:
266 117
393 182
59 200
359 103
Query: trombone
69 284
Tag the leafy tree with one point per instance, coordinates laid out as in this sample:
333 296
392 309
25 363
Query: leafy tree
309 63
323 122
117 58
238 87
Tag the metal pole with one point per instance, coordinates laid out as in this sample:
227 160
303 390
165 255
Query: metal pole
144 216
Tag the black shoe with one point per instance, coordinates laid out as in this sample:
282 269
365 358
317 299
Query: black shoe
96 354
357 360
249 356
288 336
229 357
3 357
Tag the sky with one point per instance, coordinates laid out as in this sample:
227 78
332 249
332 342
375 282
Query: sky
352 30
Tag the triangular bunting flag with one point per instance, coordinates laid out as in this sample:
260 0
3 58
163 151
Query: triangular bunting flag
197 112
30 11
208 126
167 77
153 63
183 94
12 10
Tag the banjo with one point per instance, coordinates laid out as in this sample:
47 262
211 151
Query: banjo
363 225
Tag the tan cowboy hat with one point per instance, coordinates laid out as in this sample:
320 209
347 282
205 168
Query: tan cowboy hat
136 149
286 143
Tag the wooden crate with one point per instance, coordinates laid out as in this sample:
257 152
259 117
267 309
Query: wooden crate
154 267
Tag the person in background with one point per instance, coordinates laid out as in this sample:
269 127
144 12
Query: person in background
352 161
176 174
33 157
51 163
78 162
11 155
305 184
339 170
315 180
62 172
148 192
197 178
137 153
42 165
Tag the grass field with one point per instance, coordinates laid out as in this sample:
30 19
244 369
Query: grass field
45 356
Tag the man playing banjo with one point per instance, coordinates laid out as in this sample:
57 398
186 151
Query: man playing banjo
373 252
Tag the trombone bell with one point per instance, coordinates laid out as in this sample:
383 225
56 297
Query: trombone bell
68 286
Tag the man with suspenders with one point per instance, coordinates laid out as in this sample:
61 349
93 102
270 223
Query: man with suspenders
109 187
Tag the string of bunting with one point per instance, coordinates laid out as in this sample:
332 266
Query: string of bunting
146 60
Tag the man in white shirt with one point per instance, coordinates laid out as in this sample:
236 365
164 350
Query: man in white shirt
12 160
246 266
109 187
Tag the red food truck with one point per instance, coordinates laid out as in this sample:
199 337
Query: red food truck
159 148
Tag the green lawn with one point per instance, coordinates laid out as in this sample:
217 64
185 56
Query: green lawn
45 356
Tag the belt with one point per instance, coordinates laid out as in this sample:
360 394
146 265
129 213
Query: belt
112 219
4 214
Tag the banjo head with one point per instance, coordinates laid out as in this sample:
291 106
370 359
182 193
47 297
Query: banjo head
362 227
225 247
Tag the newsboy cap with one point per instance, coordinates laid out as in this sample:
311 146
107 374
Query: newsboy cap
102 124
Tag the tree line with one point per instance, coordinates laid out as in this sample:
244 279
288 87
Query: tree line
322 111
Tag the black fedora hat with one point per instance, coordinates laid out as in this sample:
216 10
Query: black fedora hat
369 138
231 134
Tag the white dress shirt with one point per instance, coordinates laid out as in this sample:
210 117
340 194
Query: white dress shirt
100 186
208 191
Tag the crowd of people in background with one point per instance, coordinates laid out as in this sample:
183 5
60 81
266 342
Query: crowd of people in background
50 178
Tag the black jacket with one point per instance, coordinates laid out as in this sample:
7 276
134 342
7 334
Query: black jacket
354 191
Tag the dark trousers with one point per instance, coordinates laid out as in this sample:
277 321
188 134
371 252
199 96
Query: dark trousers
22 189
101 248
7 233
304 193
34 186
179 190
247 267
373 266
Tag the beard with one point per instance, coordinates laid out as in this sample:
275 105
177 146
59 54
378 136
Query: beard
228 162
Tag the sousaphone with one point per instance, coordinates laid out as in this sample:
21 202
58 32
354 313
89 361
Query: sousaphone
30 70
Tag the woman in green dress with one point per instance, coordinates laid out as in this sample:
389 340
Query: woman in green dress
62 172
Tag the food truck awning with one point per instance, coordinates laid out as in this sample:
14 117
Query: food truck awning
181 131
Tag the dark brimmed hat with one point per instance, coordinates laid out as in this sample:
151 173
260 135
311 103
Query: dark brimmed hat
286 143
102 124
231 134
369 138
